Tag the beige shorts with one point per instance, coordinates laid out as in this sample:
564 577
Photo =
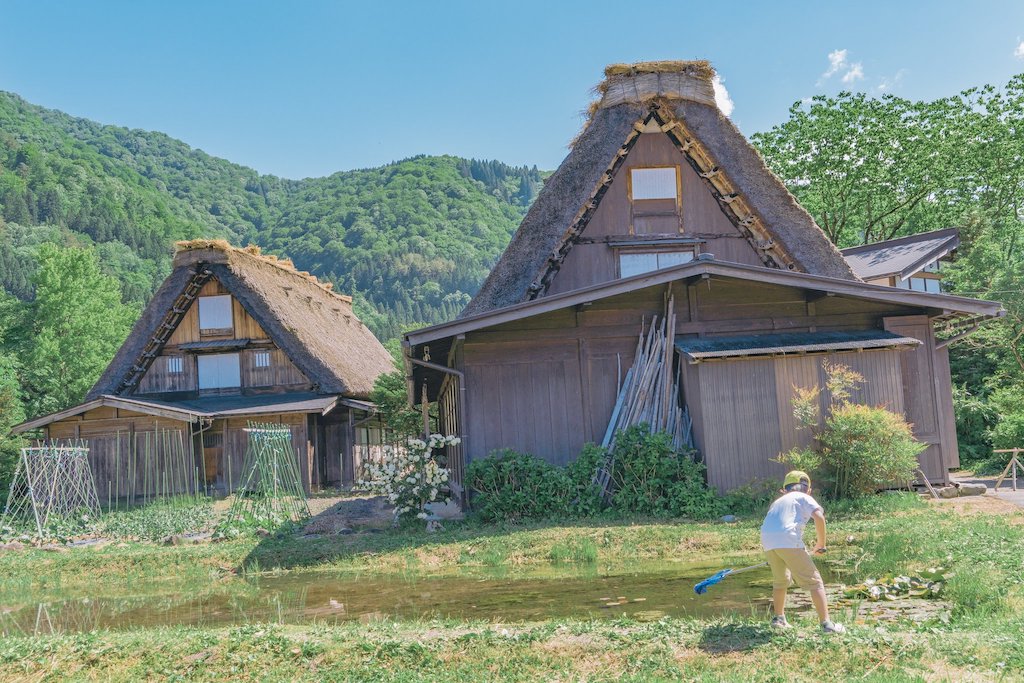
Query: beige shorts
793 563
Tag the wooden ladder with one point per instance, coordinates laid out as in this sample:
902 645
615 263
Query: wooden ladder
167 326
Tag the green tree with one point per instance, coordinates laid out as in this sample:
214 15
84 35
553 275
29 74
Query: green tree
76 324
11 413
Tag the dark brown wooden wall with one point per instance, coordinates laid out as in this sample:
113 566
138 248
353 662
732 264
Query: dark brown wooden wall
547 384
591 263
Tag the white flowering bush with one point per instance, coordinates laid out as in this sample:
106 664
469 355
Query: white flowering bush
409 476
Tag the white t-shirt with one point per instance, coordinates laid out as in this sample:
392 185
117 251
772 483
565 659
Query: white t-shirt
783 526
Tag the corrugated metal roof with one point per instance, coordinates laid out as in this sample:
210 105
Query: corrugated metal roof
215 344
697 349
904 256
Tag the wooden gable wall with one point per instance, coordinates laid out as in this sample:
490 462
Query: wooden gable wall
592 260
280 375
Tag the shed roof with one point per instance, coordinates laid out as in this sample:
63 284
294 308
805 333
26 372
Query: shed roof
630 96
902 257
946 305
315 327
697 349
208 407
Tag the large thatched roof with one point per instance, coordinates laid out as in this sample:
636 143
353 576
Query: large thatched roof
315 327
680 97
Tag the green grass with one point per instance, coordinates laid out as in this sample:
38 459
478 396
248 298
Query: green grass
892 534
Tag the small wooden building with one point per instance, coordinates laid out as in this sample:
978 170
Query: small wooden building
662 194
913 262
231 336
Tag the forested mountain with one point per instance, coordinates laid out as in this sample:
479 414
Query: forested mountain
411 240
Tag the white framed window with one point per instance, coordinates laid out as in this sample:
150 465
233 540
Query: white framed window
635 263
219 371
175 365
654 183
921 284
215 313
261 359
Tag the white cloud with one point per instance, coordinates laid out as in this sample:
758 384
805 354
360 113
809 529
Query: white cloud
722 98
887 83
836 63
1019 51
854 73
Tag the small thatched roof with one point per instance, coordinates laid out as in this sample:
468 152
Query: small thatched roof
315 327
631 95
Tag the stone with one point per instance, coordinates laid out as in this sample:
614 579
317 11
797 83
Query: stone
345 531
95 543
948 492
449 510
433 526
13 545
189 539
973 489
53 548
728 518
262 533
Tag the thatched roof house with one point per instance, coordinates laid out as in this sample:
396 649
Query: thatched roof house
315 326
678 99
662 210
234 335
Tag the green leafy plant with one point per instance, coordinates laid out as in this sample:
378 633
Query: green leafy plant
650 477
858 449
509 485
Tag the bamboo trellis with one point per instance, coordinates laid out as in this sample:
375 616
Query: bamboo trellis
650 392
271 487
52 482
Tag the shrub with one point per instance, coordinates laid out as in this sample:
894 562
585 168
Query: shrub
509 485
865 449
409 477
650 477
752 498
859 449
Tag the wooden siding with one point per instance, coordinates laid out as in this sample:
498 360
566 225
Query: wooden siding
134 456
280 373
245 327
925 381
158 379
592 261
746 408
546 384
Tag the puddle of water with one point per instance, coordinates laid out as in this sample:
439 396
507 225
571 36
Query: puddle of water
648 592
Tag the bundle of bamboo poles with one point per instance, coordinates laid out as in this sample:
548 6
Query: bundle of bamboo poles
651 390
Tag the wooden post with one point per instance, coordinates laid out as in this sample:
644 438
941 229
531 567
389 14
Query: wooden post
1011 467
426 412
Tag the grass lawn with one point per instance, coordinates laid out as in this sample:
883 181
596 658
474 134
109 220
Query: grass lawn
982 541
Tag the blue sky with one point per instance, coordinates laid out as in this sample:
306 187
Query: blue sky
308 88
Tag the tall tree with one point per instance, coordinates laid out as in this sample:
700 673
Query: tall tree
75 325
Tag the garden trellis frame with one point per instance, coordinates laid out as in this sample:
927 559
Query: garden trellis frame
271 486
52 481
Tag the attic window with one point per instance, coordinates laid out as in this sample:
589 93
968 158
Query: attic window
215 314
635 263
654 183
261 359
219 371
175 366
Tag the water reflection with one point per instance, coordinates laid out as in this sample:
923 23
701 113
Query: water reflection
646 592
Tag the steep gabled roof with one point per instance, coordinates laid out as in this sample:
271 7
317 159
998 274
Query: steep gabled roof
903 256
679 98
315 327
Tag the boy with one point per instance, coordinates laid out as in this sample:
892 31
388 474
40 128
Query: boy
782 539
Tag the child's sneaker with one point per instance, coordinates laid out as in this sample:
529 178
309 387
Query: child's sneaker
780 622
832 627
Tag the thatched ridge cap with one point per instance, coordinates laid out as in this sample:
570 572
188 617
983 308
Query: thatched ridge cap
254 255
701 68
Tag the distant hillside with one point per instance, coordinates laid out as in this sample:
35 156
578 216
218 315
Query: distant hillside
411 240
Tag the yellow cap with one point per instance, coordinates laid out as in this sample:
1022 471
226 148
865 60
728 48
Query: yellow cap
796 477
